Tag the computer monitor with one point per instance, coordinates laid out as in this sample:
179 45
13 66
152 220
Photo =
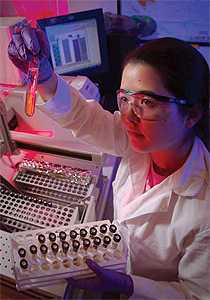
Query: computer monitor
77 43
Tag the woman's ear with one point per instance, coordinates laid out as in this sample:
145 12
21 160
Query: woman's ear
193 115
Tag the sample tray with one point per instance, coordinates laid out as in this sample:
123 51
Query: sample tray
43 257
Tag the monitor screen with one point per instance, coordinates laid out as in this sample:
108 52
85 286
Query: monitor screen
77 43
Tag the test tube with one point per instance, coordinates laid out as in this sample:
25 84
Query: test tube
30 99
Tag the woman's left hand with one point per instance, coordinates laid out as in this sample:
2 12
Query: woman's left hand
104 281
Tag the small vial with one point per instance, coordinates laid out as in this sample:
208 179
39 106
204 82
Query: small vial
22 252
116 238
65 247
96 242
41 238
54 248
86 244
73 234
52 236
77 259
115 243
83 232
93 232
62 235
106 241
33 249
75 245
103 228
43 249
112 228
24 264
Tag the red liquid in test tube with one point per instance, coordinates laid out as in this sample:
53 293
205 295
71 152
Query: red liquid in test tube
30 99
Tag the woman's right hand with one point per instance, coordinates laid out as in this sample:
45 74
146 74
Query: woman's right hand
26 43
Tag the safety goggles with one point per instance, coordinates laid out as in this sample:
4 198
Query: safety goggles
145 104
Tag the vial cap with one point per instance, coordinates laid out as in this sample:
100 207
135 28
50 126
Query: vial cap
73 234
41 238
22 252
62 235
24 264
86 243
97 241
54 248
93 231
43 249
107 240
103 228
33 249
83 232
117 237
52 236
112 228
65 247
75 245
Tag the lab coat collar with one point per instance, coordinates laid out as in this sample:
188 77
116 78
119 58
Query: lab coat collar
189 179
186 182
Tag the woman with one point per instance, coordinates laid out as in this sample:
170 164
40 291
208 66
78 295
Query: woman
161 191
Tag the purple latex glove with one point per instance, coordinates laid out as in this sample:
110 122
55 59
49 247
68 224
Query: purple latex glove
104 281
26 43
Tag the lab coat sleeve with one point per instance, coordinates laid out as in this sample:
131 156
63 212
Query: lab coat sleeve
87 120
193 274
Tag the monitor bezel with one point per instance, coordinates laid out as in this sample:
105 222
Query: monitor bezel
96 14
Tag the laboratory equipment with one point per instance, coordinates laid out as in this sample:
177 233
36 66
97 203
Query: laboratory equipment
19 211
31 88
77 43
43 257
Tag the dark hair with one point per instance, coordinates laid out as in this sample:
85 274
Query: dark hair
184 72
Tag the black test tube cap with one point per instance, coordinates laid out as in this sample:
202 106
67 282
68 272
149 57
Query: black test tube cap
86 243
103 228
116 237
43 249
52 236
65 246
73 234
106 240
24 264
112 228
33 249
22 252
93 231
62 235
41 238
54 248
75 245
97 241
83 232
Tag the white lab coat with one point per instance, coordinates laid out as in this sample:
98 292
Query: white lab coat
169 225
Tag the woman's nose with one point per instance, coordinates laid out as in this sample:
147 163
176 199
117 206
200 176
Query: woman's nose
131 115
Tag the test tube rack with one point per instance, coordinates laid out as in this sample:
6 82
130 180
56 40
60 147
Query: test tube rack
74 186
24 212
43 257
